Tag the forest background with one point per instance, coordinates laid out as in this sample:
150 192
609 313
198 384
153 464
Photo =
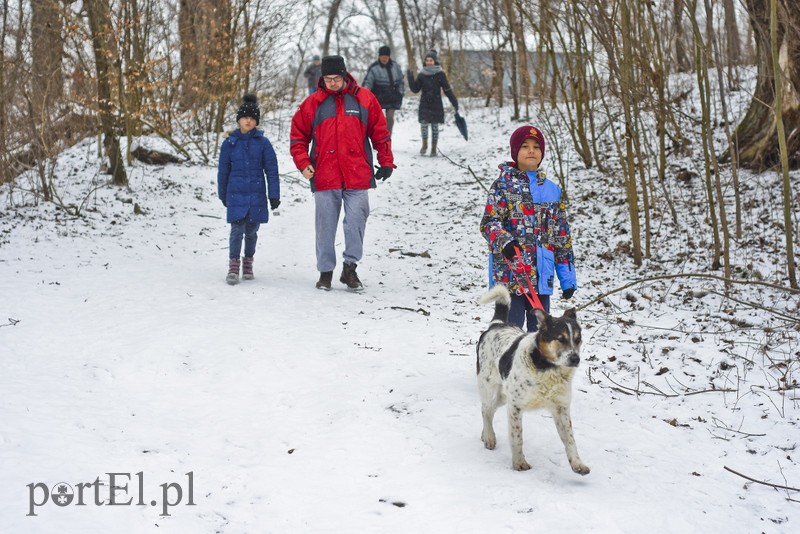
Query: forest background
649 101
124 68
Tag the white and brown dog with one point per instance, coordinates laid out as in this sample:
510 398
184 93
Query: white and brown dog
528 371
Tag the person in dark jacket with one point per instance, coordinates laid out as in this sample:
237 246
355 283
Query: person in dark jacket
331 141
312 74
526 226
245 157
431 81
385 79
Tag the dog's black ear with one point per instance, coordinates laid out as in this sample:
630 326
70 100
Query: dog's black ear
572 313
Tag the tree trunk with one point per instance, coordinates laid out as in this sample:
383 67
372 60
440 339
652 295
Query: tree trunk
47 49
412 62
734 46
47 81
682 61
207 60
105 53
332 14
756 137
5 164
787 190
521 61
626 90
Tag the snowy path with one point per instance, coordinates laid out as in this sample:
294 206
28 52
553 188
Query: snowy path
298 410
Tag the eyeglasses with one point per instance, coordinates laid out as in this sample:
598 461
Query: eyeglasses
332 79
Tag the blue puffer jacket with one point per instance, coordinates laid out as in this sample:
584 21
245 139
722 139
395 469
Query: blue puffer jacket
244 159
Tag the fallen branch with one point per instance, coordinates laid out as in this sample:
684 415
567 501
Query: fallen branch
11 322
419 310
777 486
636 391
756 306
465 167
168 138
696 275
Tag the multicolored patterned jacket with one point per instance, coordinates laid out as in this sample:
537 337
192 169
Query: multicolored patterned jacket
528 207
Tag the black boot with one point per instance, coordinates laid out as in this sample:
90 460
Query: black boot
350 278
324 281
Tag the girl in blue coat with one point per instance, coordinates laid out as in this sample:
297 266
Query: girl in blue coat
245 158
525 213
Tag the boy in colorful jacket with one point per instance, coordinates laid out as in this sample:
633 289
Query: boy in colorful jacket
524 213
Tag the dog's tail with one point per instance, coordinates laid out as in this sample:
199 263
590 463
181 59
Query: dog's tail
502 302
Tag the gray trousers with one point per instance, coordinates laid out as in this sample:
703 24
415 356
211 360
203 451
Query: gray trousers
328 206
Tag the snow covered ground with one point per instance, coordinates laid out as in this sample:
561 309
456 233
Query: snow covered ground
272 407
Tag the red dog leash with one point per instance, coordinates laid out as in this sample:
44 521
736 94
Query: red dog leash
531 295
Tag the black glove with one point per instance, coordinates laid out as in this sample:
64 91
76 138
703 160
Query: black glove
567 293
274 203
508 250
383 173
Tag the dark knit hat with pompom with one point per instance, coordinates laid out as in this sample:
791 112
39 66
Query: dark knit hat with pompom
249 108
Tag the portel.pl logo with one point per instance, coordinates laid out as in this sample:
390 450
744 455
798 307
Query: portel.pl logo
115 493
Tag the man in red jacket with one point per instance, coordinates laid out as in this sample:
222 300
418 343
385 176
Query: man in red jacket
330 144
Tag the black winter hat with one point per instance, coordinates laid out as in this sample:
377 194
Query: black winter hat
249 108
433 55
384 51
333 65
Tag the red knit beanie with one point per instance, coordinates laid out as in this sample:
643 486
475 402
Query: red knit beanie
520 135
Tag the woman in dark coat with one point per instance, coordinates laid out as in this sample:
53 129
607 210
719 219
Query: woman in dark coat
431 81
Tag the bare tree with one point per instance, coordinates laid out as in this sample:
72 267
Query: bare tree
333 12
206 51
756 137
787 191
105 55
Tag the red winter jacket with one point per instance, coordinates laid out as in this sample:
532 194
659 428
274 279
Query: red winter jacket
338 126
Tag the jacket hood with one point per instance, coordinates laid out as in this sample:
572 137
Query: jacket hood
511 168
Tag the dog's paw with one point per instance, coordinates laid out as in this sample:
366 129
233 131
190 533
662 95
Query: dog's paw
521 465
581 469
489 439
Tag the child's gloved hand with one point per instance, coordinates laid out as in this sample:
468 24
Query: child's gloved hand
274 203
567 293
508 250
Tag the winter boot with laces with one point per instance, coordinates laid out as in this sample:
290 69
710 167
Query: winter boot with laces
233 271
247 268
424 146
350 278
324 281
